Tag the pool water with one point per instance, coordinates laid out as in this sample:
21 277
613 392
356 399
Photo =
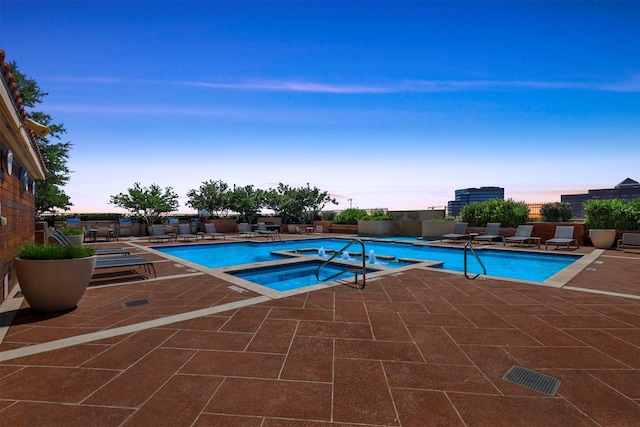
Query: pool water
287 277
529 266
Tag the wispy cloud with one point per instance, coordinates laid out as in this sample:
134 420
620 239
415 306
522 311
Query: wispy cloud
301 86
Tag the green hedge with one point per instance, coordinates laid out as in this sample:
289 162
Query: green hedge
508 213
615 213
556 212
350 216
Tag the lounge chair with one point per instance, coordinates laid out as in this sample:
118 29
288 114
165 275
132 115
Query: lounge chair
125 261
61 239
244 229
562 237
318 230
263 231
491 232
523 235
159 234
210 230
184 232
459 232
629 241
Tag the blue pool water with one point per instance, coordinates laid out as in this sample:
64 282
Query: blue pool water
287 277
531 266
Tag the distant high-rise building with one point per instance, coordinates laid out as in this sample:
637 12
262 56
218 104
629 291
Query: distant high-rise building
470 195
626 190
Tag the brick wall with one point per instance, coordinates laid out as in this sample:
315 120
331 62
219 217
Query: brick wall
18 207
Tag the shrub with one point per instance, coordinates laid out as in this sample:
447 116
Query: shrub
44 252
70 231
556 212
507 212
378 215
350 216
615 213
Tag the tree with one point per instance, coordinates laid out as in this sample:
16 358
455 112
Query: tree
49 193
297 205
149 203
556 212
247 201
212 196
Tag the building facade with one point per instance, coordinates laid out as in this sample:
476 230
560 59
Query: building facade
467 196
626 190
21 164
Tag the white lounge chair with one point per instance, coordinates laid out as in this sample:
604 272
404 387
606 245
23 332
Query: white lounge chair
459 232
523 235
491 233
629 241
210 230
562 237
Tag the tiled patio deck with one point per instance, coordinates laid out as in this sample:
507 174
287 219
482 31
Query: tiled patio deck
421 348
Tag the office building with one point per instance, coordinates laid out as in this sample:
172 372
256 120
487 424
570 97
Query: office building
626 190
471 195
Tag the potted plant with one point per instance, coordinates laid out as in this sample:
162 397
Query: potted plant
378 223
75 235
605 217
54 277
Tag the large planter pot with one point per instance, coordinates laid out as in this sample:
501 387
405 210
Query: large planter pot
376 228
54 285
602 238
76 239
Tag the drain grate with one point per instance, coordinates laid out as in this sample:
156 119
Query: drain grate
532 380
136 302
237 289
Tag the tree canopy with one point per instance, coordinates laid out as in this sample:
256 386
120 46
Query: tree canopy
148 202
50 194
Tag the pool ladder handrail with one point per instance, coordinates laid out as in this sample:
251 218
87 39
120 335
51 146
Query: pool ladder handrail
335 254
468 245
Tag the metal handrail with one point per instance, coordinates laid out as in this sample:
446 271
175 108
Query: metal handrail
468 244
335 254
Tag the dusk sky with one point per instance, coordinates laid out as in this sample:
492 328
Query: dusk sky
391 104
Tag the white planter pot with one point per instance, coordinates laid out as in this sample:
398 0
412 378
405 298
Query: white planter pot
602 238
77 239
54 285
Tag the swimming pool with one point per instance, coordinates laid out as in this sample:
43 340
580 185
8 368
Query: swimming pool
530 266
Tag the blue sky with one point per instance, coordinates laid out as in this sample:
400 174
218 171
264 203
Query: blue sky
391 104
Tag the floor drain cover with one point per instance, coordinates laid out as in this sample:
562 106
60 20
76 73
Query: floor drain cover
136 303
532 380
237 289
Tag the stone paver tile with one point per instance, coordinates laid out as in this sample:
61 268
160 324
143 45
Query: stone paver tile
378 350
300 314
309 359
229 363
484 410
27 414
625 381
436 319
437 377
388 326
128 351
141 380
508 337
543 332
274 336
361 394
178 402
600 402
436 346
420 408
351 311
50 384
481 317
272 398
217 420
247 319
610 345
204 340
564 358
334 330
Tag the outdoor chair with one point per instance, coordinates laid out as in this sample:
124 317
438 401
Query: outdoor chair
459 232
244 229
263 231
159 234
491 232
522 236
184 232
318 230
61 239
562 237
629 241
210 230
